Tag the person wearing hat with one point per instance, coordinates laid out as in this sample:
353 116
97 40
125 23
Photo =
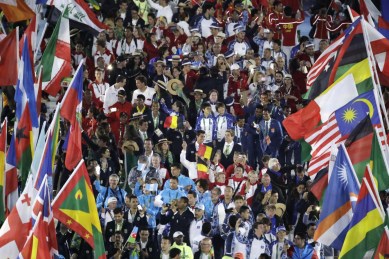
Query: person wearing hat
195 105
239 45
279 247
179 218
190 77
308 57
211 39
290 92
206 20
196 225
106 214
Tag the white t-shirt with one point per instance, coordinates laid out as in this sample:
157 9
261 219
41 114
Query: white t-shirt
110 97
148 93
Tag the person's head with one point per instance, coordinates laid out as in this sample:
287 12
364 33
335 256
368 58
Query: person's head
201 185
244 212
113 181
143 125
140 100
267 53
238 201
266 114
267 224
156 160
199 211
175 169
281 233
178 237
118 215
323 45
208 9
120 81
259 228
141 82
155 106
278 7
144 234
112 203
279 77
143 162
182 203
274 164
134 202
274 197
213 95
165 244
220 108
253 177
148 145
287 110
228 192
200 136
276 45
310 49
175 253
99 74
173 181
311 229
238 171
270 210
299 239
215 194
258 111
192 197
206 245
207 109
229 135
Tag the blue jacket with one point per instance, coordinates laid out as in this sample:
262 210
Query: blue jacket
168 195
147 200
275 134
183 181
103 196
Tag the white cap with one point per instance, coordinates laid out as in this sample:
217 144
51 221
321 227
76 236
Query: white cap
112 199
177 234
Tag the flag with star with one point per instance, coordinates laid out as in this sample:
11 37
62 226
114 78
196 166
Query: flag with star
24 144
75 206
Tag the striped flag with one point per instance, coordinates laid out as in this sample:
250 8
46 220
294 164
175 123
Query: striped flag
336 214
56 57
11 189
202 169
339 126
3 146
204 151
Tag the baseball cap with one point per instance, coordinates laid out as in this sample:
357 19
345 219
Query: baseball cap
177 234
200 206
280 228
111 199
235 67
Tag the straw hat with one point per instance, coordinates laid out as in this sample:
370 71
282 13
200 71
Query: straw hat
173 85
130 144
198 91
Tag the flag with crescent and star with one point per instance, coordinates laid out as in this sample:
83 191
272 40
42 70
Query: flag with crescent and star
75 206
356 110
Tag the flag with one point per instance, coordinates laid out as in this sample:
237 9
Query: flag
369 10
80 15
75 206
204 151
3 147
31 34
42 206
347 50
24 145
36 245
320 183
132 238
358 145
202 169
318 110
25 92
45 167
8 2
378 164
71 110
11 190
337 213
383 246
9 59
366 225
56 58
38 152
20 12
171 122
338 127
54 130
14 232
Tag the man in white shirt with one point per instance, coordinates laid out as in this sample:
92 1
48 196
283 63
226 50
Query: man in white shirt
163 9
148 92
111 94
195 235
258 244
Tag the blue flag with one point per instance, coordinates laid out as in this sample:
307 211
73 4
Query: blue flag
25 87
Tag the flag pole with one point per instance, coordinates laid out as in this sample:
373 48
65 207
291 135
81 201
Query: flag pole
372 66
37 47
